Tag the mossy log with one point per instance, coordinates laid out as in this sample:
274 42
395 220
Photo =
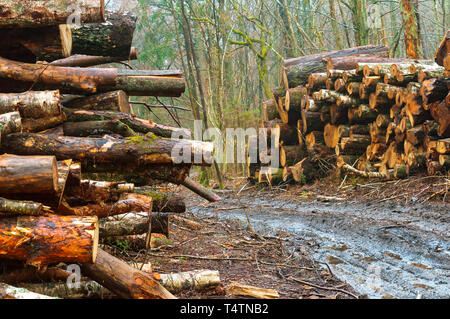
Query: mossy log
10 123
166 202
134 151
30 125
111 38
40 241
97 129
16 208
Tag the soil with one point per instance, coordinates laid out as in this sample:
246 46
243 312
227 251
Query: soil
356 239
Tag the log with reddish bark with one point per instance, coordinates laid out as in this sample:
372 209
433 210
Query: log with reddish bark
111 38
41 241
134 151
434 90
36 44
127 204
136 124
443 50
36 13
29 274
27 75
28 174
32 104
441 114
110 101
124 280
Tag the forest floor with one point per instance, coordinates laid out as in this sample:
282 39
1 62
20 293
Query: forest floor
356 239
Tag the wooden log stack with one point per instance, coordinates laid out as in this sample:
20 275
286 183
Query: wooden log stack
361 112
73 153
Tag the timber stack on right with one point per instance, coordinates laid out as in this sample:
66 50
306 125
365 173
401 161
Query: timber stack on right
74 157
361 112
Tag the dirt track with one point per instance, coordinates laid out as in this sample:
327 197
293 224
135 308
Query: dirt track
383 249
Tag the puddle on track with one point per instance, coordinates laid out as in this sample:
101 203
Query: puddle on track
383 250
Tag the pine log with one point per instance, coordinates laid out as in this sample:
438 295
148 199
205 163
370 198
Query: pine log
365 114
353 89
32 104
351 76
28 174
441 114
28 274
333 133
338 115
434 90
41 241
136 124
97 129
111 38
288 134
110 101
238 289
317 80
351 62
36 13
124 280
311 122
415 135
339 86
77 79
289 155
133 151
293 98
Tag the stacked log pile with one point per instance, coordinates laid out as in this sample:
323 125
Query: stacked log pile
362 112
73 154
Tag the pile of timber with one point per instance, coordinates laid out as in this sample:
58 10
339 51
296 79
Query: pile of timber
73 155
360 111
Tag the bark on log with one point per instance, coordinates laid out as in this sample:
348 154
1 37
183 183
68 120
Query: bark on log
78 79
36 44
97 129
191 280
110 101
81 60
111 38
30 125
37 13
124 280
32 104
10 292
166 202
201 191
32 275
28 174
133 151
136 124
17 208
351 62
238 289
136 84
40 241
10 123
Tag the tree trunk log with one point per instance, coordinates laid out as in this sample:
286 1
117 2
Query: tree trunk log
10 123
81 60
36 44
75 79
166 202
25 208
30 125
201 191
136 124
32 104
10 292
133 151
36 13
41 241
28 174
124 280
97 129
110 101
112 38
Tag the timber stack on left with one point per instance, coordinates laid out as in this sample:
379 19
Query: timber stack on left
73 155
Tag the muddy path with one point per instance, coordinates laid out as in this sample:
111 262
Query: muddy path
382 249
